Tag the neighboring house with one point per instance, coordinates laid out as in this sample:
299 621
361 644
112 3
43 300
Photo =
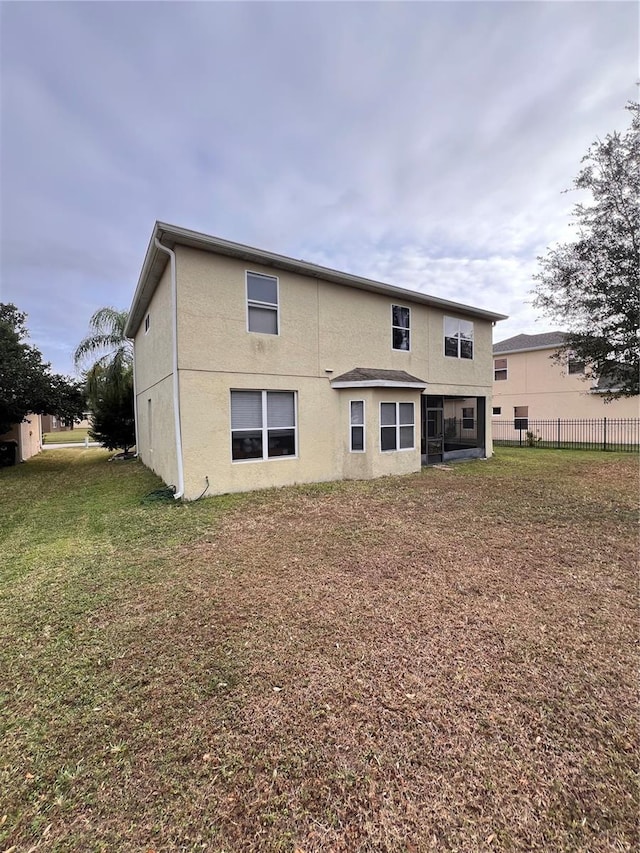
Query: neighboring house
27 435
530 384
51 423
254 370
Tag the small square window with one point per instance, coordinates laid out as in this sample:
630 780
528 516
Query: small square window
496 411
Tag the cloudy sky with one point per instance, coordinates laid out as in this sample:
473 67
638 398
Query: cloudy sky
422 144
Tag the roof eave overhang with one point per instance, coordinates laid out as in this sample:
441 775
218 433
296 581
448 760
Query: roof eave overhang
528 349
380 383
171 236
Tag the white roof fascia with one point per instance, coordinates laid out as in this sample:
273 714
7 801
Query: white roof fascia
379 383
527 349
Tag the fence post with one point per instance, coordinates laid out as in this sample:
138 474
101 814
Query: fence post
558 433
604 442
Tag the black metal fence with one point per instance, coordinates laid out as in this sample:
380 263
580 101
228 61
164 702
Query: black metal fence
621 434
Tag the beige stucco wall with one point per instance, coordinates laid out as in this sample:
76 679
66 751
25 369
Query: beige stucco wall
156 430
323 433
325 330
154 386
28 434
536 381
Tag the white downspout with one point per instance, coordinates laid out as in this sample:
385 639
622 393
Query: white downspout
176 390
135 399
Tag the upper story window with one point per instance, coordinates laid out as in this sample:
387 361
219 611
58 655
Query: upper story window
499 369
263 424
397 426
458 338
356 424
262 303
147 323
574 364
401 327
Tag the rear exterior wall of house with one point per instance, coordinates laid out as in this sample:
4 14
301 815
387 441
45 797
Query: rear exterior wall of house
323 330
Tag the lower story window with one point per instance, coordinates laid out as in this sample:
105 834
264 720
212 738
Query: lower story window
263 424
497 410
356 419
397 426
521 417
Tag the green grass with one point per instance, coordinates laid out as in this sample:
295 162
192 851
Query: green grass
68 436
444 660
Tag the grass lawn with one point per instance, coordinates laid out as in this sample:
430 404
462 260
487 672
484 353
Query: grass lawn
443 661
75 435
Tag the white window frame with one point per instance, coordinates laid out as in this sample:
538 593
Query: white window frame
458 320
264 429
256 303
504 369
147 324
361 426
398 425
393 327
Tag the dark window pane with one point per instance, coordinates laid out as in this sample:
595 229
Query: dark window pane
466 349
357 438
263 320
282 442
388 414
451 347
406 413
400 316
406 437
388 438
246 445
262 288
401 339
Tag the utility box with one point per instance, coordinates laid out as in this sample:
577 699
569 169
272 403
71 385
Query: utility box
8 452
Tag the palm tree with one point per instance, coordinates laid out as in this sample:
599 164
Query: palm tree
110 352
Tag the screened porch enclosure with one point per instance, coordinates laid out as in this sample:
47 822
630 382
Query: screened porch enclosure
452 428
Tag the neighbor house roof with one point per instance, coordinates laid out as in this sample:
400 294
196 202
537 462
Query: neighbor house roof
523 343
371 377
170 235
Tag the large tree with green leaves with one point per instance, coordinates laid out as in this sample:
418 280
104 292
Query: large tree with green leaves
592 285
26 381
107 357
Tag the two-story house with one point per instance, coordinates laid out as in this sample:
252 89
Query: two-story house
254 369
530 384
